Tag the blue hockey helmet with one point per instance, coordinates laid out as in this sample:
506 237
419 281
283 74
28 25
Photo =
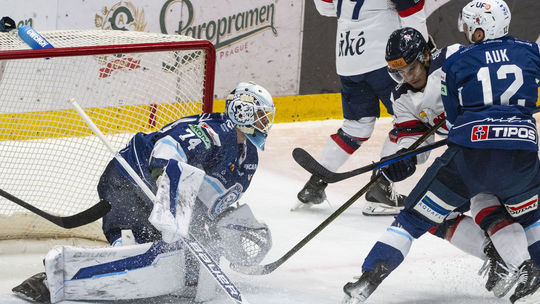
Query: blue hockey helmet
251 108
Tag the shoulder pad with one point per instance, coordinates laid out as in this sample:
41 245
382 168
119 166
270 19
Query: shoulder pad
440 56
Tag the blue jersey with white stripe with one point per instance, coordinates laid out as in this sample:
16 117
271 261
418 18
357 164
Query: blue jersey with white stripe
489 91
206 141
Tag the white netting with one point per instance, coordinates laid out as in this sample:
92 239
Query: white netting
48 156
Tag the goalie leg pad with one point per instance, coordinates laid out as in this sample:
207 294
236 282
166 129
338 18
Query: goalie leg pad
111 273
244 240
178 187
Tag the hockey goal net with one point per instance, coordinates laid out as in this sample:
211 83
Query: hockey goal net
127 82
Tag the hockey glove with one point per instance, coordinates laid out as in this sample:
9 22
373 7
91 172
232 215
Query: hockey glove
401 169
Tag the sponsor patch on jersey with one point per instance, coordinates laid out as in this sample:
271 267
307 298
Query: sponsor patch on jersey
503 132
526 206
397 64
228 198
213 135
443 90
433 208
200 134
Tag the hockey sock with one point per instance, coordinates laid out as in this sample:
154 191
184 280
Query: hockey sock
391 248
510 241
338 148
465 235
533 238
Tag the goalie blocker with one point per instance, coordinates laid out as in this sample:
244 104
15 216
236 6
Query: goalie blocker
124 272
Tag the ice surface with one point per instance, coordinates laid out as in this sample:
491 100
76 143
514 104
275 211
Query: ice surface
433 272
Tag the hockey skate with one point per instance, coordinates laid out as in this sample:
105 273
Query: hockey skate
499 279
359 291
34 289
528 283
312 193
382 199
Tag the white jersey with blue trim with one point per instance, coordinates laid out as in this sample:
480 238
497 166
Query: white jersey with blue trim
415 110
364 27
206 141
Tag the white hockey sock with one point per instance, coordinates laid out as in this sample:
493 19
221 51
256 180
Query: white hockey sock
333 156
469 238
511 244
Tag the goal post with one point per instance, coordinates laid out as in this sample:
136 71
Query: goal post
127 82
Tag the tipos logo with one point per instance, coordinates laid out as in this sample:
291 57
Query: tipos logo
123 16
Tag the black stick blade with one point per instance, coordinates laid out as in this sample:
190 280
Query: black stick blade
306 161
87 216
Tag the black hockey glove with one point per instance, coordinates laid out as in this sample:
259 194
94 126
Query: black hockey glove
401 169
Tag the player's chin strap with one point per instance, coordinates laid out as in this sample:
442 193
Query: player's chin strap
190 241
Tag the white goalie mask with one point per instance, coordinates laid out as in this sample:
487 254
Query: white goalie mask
251 108
492 16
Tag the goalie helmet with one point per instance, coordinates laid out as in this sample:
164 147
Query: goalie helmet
492 16
404 47
251 108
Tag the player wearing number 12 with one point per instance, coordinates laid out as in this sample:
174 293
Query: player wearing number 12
489 91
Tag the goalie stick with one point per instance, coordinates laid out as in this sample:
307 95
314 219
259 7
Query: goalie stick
268 268
36 41
82 218
190 241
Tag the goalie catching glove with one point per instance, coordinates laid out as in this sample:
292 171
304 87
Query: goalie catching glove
243 239
401 169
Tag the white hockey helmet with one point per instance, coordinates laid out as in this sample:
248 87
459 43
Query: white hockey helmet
492 16
251 108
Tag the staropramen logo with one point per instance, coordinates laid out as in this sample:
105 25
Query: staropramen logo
222 31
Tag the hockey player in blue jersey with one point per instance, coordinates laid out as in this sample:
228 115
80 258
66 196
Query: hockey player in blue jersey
489 90
221 146
201 165
417 107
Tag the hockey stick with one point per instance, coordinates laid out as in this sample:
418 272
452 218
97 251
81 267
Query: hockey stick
306 161
82 218
268 268
190 241
36 41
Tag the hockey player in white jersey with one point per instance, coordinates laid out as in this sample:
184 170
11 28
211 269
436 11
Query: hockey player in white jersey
362 31
199 166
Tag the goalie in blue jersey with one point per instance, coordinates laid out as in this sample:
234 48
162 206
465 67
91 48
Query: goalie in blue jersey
199 167
489 91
